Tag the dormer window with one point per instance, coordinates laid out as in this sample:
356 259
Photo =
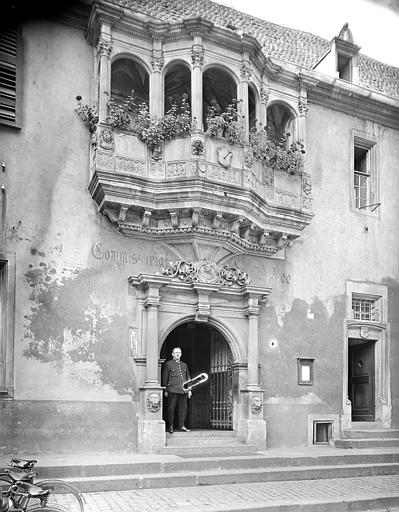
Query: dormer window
128 75
344 67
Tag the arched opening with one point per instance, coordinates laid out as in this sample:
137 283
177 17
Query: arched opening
177 86
218 87
205 349
128 75
280 123
251 108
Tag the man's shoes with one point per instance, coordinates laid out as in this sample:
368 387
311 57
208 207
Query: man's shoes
184 429
170 430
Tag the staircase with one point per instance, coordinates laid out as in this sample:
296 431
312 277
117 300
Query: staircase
368 435
206 443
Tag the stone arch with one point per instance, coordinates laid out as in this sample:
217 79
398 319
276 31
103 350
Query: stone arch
129 73
232 339
219 85
176 83
281 119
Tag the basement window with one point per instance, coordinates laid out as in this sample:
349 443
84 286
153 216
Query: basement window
322 432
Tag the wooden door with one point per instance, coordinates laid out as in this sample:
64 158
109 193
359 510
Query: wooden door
361 381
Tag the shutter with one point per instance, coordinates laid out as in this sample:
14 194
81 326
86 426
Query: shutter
10 75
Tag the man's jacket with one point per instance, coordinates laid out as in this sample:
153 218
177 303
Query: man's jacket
174 373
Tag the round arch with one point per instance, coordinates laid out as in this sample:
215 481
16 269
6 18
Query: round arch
219 85
231 338
129 74
176 83
281 120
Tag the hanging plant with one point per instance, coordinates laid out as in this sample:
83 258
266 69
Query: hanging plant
89 115
283 156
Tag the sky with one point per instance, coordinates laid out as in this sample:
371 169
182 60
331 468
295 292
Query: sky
374 23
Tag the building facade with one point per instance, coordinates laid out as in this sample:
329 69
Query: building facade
182 174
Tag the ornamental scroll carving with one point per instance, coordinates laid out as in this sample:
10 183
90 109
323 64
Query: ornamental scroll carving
206 272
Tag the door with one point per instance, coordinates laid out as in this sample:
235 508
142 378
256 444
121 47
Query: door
221 383
361 380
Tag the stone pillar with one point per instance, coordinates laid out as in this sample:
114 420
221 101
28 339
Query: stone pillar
104 49
305 84
197 60
252 425
151 427
246 72
156 92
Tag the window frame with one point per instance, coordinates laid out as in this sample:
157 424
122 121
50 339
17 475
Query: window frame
301 363
368 143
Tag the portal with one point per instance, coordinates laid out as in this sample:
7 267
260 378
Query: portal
205 349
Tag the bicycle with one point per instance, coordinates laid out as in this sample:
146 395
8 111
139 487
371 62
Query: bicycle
18 496
61 493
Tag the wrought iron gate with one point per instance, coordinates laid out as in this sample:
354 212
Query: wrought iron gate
221 383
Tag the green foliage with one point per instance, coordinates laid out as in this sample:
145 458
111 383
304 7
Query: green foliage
283 156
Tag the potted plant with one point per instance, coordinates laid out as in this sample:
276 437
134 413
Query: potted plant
225 123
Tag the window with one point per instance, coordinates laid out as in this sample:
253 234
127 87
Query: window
10 76
305 372
365 308
344 67
364 176
322 432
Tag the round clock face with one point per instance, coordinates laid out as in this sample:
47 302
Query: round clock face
225 156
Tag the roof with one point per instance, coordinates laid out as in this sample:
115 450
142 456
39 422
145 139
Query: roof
287 44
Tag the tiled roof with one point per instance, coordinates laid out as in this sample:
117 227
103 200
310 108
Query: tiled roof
280 42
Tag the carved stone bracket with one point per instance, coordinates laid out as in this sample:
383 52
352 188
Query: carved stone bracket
303 106
264 93
206 272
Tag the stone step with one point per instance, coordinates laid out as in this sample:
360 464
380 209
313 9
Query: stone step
232 476
207 433
226 462
186 439
376 433
367 443
207 450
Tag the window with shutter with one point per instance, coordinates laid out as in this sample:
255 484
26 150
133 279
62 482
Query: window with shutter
10 76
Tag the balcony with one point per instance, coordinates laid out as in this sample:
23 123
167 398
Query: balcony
198 188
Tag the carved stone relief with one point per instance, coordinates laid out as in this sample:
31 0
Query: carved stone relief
256 404
179 169
153 402
206 272
107 139
157 170
105 161
219 173
131 166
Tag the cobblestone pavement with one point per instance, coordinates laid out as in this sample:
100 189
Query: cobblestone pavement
239 496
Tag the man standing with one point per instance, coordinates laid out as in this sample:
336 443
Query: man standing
174 373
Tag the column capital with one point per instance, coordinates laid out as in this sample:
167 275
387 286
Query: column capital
157 60
246 70
197 55
104 47
303 105
264 93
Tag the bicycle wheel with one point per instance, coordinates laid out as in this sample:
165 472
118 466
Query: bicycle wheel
63 495
38 508
5 483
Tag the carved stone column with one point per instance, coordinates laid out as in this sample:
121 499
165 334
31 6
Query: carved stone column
264 98
156 93
104 49
253 424
197 60
246 72
151 427
305 84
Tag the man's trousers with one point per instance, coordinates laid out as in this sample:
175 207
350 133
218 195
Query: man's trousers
177 401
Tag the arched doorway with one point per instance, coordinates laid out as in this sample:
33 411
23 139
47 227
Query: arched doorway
205 349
